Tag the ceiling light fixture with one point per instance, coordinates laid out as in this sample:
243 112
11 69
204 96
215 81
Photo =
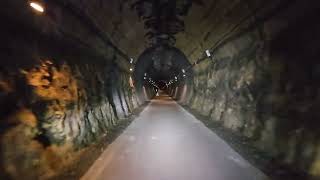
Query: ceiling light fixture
38 7
208 53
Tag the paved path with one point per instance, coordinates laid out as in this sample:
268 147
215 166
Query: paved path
167 143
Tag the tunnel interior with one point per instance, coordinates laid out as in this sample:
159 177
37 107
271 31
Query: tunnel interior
161 67
74 75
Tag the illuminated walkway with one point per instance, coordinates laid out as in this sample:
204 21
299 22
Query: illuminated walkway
167 143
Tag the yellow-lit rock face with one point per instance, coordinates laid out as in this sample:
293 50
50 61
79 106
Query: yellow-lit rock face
61 107
5 85
56 87
42 162
27 117
51 82
57 96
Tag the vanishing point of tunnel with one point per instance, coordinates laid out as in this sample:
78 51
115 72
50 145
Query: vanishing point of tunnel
160 90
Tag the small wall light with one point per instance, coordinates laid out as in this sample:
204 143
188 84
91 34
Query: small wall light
131 69
208 53
37 6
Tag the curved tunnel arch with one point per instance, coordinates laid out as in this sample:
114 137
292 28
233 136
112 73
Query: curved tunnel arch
164 67
66 80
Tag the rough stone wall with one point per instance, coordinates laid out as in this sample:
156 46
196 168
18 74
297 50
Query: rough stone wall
264 84
51 110
58 94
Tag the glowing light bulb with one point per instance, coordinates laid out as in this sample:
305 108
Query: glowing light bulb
38 7
208 53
